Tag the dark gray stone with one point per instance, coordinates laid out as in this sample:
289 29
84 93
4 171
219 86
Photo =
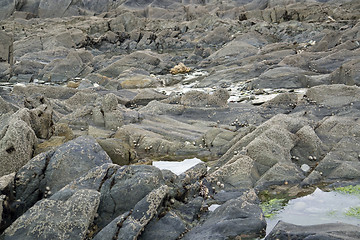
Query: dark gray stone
168 227
237 218
124 189
142 213
332 231
73 159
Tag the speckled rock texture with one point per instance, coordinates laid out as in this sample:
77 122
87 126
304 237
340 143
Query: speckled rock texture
264 92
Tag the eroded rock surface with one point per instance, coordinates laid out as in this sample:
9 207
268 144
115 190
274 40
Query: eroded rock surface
91 92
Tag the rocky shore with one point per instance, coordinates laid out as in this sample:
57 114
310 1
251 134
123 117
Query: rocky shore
265 92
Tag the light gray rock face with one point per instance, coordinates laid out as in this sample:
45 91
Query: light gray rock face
6 47
17 142
66 218
7 7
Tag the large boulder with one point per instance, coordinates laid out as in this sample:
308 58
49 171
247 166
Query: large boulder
124 189
50 171
66 217
17 142
237 218
73 159
150 62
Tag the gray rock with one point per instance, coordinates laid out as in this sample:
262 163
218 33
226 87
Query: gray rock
284 230
29 183
279 174
52 170
234 49
325 95
41 121
271 147
6 46
308 144
159 108
111 230
67 218
149 62
124 189
73 159
7 7
168 227
239 172
142 213
109 102
5 71
282 77
347 73
191 210
201 99
147 95
118 150
62 70
17 141
6 186
80 99
55 92
56 9
6 107
238 217
333 61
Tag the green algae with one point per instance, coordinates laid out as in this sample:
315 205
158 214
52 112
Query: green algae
272 207
353 212
352 190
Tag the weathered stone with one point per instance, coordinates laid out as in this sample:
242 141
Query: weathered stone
236 218
124 189
307 144
279 174
158 108
118 150
17 142
142 213
60 218
6 47
168 227
73 159
56 92
239 172
149 62
325 95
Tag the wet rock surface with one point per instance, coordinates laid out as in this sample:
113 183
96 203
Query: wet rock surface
91 92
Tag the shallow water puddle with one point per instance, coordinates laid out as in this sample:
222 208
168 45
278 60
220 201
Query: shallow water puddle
177 167
317 208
